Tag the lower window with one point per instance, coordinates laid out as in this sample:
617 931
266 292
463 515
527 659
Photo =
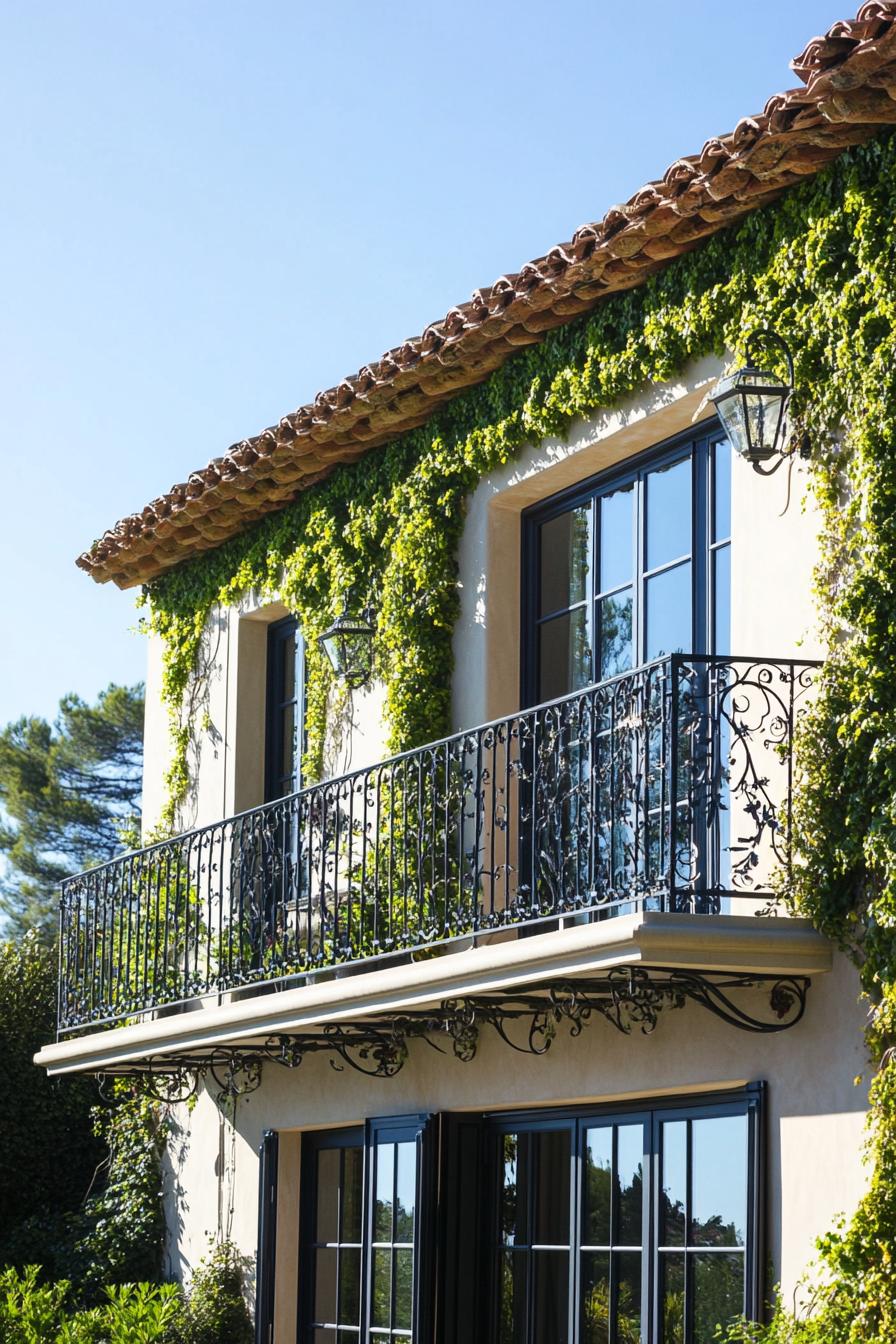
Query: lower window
361 1190
587 1226
613 1228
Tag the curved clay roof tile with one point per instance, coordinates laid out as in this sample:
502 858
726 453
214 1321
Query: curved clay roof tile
453 324
712 156
408 355
556 263
529 278
244 454
747 132
642 202
680 174
503 293
479 306
584 241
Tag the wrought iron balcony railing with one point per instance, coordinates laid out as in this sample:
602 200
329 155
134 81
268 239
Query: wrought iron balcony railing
667 788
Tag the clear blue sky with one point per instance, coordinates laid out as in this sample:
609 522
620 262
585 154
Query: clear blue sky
213 210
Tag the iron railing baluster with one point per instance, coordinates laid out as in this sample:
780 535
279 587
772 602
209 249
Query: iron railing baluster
665 785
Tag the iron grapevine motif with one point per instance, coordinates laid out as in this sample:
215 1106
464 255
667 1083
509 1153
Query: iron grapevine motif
631 998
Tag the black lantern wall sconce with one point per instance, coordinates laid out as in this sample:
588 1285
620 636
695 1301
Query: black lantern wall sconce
752 404
348 644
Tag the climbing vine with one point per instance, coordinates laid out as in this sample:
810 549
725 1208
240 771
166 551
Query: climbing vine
819 267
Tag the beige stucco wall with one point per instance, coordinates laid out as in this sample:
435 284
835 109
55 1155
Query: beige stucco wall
815 1116
227 754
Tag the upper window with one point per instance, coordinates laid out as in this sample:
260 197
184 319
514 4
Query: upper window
285 709
628 567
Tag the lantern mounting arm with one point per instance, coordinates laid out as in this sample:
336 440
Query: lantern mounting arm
768 337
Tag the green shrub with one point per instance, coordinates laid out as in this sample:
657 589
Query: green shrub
213 1312
216 1309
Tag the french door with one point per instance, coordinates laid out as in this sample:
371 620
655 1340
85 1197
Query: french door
619 573
628 567
600 1224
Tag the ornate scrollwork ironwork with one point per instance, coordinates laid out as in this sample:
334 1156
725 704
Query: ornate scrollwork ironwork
668 787
630 998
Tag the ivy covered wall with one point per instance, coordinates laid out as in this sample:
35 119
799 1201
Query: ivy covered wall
820 268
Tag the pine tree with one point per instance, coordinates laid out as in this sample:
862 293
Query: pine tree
69 798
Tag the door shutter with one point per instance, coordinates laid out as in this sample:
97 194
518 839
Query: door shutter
267 1238
463 1209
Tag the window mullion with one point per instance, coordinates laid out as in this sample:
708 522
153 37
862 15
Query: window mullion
575 1232
639 543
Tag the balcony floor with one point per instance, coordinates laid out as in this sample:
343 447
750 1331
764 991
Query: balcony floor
724 944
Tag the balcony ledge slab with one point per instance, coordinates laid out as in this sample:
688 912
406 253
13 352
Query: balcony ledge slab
736 944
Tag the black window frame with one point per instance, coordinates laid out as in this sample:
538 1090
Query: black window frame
699 441
652 1113
369 1136
279 632
457 1241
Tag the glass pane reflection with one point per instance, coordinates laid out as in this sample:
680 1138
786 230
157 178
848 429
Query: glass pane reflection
514 1198
352 1194
721 472
721 589
629 1184
564 654
552 1154
669 508
381 1306
565 559
598 1176
628 1297
669 620
596 1297
350 1286
672 1298
718 1288
403 1272
719 1181
551 1293
405 1191
325 1286
385 1178
616 549
614 616
328 1194
512 1315
674 1195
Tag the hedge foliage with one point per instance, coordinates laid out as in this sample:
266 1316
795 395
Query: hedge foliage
212 1312
50 1149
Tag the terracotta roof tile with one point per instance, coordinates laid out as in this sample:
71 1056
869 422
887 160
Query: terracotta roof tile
849 93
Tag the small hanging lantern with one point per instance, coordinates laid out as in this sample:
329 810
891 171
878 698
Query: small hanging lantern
752 406
348 644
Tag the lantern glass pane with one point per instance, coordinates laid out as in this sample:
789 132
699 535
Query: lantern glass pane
763 414
731 413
